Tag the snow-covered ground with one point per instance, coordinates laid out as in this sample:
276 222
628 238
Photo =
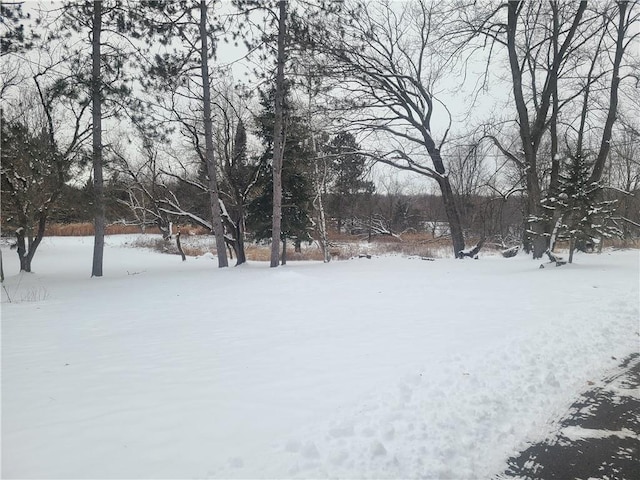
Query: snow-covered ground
382 368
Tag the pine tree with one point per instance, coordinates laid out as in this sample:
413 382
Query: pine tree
112 27
297 185
581 213
180 77
12 33
348 169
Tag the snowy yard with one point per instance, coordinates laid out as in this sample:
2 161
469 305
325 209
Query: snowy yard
381 368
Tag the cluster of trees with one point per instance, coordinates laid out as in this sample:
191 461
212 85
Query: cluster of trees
130 108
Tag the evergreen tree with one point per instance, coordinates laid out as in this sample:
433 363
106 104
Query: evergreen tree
348 168
12 33
237 181
580 212
297 185
180 79
112 30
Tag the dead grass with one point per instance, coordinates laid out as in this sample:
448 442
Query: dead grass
342 247
622 243
408 249
69 230
257 253
262 253
198 245
86 229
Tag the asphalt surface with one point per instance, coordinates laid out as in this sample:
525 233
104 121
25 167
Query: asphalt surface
599 437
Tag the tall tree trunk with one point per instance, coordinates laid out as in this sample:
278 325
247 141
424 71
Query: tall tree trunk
98 182
278 138
553 126
216 216
535 228
605 144
531 132
322 220
319 183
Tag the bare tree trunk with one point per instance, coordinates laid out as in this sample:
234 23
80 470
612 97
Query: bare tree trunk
572 247
216 216
241 256
448 197
22 249
322 223
531 132
98 182
528 145
553 126
536 227
278 139
455 225
319 183
605 145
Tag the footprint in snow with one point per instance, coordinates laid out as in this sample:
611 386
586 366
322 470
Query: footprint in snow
377 449
310 451
342 431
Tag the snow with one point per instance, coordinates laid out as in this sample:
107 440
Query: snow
577 433
382 368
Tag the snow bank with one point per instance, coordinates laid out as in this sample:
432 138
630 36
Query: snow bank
382 368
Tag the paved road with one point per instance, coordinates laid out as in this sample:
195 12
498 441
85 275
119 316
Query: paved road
599 438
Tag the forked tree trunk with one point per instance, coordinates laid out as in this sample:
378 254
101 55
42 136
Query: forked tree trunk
27 244
532 131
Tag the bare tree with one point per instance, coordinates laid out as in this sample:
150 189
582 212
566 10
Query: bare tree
390 63
144 186
559 55
37 157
